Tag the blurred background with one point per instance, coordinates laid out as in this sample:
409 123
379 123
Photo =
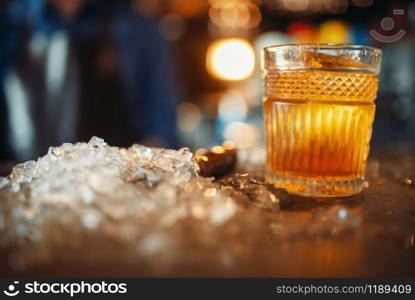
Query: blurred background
178 73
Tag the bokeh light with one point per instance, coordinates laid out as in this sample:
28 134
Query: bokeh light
243 135
302 32
232 107
334 31
188 116
316 6
296 5
234 13
230 59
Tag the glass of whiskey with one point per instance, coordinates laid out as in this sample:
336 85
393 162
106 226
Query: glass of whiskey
318 114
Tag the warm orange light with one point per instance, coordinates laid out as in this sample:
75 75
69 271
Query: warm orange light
230 59
234 13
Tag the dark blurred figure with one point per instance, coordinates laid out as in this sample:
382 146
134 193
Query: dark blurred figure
70 69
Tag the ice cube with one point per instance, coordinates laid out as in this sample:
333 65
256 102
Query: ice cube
320 60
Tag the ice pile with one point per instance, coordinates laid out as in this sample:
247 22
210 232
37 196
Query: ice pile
91 184
139 202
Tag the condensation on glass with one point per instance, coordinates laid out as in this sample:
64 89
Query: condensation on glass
318 110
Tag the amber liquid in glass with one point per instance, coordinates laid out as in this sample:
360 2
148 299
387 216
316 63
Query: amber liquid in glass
318 126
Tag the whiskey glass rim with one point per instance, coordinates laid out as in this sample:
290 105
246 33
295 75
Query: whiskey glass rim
322 46
359 58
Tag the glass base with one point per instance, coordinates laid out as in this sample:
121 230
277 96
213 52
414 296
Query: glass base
316 189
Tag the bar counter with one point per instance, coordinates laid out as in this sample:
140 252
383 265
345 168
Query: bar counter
304 238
